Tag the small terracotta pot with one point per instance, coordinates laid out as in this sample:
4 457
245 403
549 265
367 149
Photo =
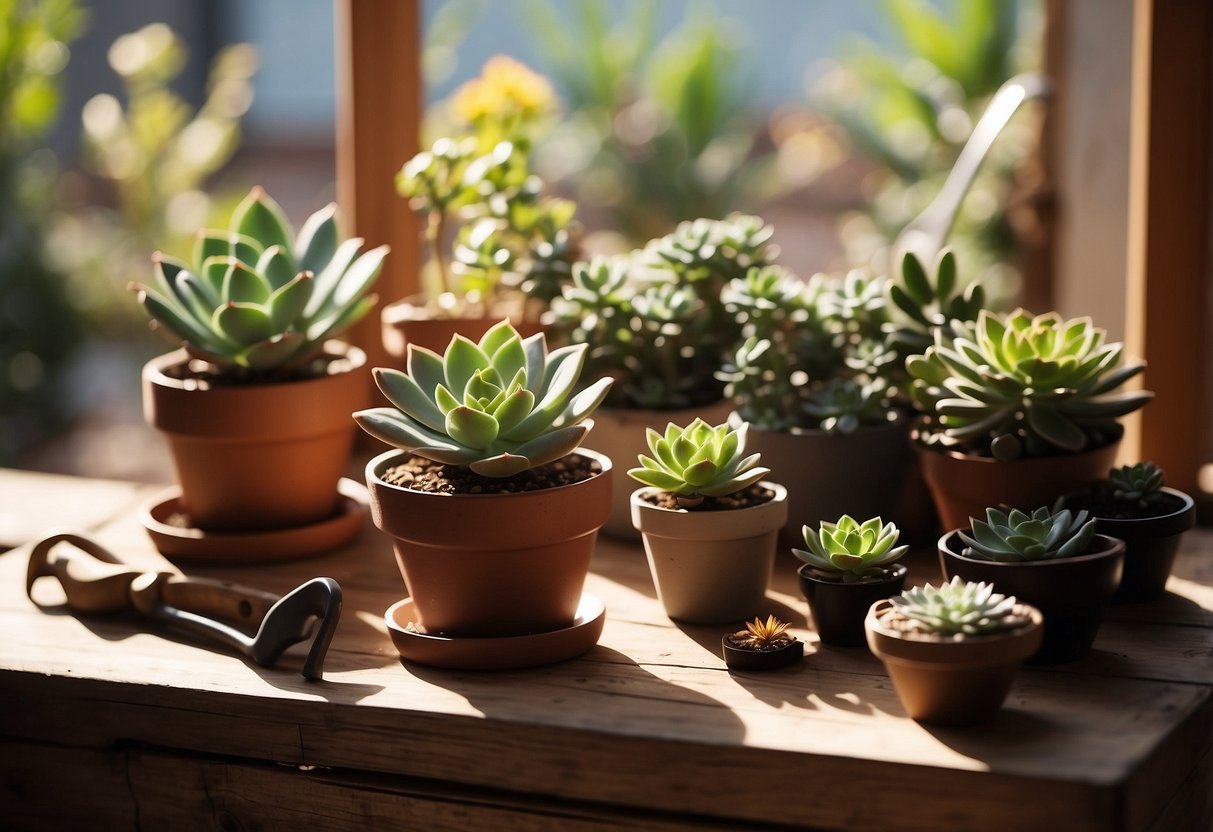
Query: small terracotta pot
948 682
256 457
747 658
964 486
619 433
711 567
867 469
409 321
1071 593
839 608
492 564
1151 544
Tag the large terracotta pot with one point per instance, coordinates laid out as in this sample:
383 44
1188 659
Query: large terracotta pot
863 474
711 567
409 321
946 681
1072 593
492 564
964 486
256 457
619 433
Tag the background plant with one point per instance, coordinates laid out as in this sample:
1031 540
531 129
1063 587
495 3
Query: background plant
850 550
1014 536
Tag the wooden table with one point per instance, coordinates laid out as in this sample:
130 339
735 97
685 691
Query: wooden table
106 727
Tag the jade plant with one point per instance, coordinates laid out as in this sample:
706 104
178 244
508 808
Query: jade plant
698 461
654 318
957 609
498 407
850 551
1023 386
259 300
1016 536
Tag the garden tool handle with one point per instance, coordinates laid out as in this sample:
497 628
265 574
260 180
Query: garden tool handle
95 581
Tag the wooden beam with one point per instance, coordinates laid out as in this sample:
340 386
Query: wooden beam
1171 159
379 105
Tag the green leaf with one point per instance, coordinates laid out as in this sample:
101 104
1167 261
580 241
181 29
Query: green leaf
266 355
461 360
276 266
404 392
287 303
1056 429
243 285
243 323
917 285
260 218
471 427
318 239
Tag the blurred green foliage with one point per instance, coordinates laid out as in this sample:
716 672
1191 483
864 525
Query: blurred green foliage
39 328
908 110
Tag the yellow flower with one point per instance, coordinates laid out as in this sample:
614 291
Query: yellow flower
506 91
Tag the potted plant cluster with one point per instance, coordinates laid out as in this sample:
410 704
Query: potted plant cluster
655 322
510 245
762 645
1053 560
708 521
952 651
492 508
848 566
252 404
1133 505
1018 410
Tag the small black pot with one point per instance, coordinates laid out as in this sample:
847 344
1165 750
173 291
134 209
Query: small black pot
839 608
1150 546
744 658
1071 593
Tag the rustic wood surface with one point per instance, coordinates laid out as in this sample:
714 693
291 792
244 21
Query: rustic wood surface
647 730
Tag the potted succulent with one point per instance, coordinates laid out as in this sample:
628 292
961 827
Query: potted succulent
762 645
1133 505
708 521
251 404
1018 410
1053 560
953 651
499 246
848 566
492 509
655 322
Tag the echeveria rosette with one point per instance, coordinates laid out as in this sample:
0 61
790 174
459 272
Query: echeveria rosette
1023 385
959 608
499 407
698 461
1016 536
1136 483
258 298
852 550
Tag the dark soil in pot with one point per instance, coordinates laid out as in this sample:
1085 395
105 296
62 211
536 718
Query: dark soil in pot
740 654
1071 593
1151 535
839 608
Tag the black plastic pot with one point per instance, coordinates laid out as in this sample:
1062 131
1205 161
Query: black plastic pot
1072 593
747 658
839 608
1150 546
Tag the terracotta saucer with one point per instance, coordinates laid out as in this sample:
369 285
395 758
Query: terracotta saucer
502 653
172 534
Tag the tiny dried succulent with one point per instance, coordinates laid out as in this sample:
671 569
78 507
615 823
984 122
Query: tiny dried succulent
1016 536
258 299
853 551
763 635
498 407
959 608
698 461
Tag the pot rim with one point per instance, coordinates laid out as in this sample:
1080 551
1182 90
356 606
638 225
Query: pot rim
154 370
897 424
1173 522
896 570
879 608
781 495
978 459
1111 547
379 463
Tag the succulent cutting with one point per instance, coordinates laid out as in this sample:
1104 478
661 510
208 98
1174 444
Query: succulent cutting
958 608
698 461
1015 535
851 550
498 407
258 298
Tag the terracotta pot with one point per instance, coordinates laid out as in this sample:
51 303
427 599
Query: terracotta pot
862 474
711 567
964 486
409 321
839 608
492 564
257 456
1151 544
949 682
1071 593
619 433
747 658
